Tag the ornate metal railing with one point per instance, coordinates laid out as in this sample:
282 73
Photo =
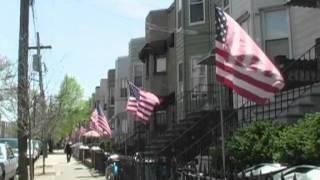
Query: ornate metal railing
302 74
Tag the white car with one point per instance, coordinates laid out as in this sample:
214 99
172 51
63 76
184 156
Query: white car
8 162
300 172
261 169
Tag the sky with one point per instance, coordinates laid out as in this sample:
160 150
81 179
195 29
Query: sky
86 36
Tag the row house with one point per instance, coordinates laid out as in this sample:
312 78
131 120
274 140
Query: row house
104 95
135 76
177 68
99 97
289 36
110 94
177 40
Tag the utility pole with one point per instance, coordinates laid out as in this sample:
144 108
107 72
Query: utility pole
23 87
42 101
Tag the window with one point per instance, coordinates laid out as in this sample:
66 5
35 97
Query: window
179 14
147 68
276 33
180 71
161 118
198 74
123 88
196 11
138 75
180 75
111 95
161 65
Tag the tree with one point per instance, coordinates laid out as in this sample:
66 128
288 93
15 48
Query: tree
8 90
71 109
299 143
254 144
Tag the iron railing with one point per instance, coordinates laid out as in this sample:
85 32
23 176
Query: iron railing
249 111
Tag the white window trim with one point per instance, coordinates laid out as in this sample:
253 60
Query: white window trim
178 29
178 82
191 77
204 14
263 21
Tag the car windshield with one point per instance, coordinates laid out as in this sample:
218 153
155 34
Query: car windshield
13 143
300 170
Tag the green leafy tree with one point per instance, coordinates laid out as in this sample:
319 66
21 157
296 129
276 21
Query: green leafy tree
254 144
300 143
71 109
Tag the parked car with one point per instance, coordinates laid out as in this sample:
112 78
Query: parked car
32 152
303 172
8 162
37 146
13 143
1 173
261 169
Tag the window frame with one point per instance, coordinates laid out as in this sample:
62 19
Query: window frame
156 64
147 65
123 88
137 75
111 96
161 118
264 11
179 4
203 12
180 84
198 58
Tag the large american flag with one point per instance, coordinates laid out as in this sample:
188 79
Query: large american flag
241 64
141 103
82 130
99 122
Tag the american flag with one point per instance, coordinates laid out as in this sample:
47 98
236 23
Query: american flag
241 64
99 122
141 103
82 130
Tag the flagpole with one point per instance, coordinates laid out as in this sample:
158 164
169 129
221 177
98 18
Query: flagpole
125 137
222 133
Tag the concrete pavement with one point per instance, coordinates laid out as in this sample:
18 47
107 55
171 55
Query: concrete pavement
58 168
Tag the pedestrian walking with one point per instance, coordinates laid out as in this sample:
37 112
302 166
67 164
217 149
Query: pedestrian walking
68 151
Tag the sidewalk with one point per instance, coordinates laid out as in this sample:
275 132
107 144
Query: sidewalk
58 168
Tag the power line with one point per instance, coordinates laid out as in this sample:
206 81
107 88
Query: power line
34 18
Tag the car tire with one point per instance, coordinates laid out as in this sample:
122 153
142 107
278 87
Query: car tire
3 172
3 175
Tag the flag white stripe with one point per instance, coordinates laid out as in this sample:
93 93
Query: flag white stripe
253 74
244 84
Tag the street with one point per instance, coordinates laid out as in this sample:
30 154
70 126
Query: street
58 168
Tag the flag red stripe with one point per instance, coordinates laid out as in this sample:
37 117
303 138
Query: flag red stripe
241 64
248 79
141 103
241 91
